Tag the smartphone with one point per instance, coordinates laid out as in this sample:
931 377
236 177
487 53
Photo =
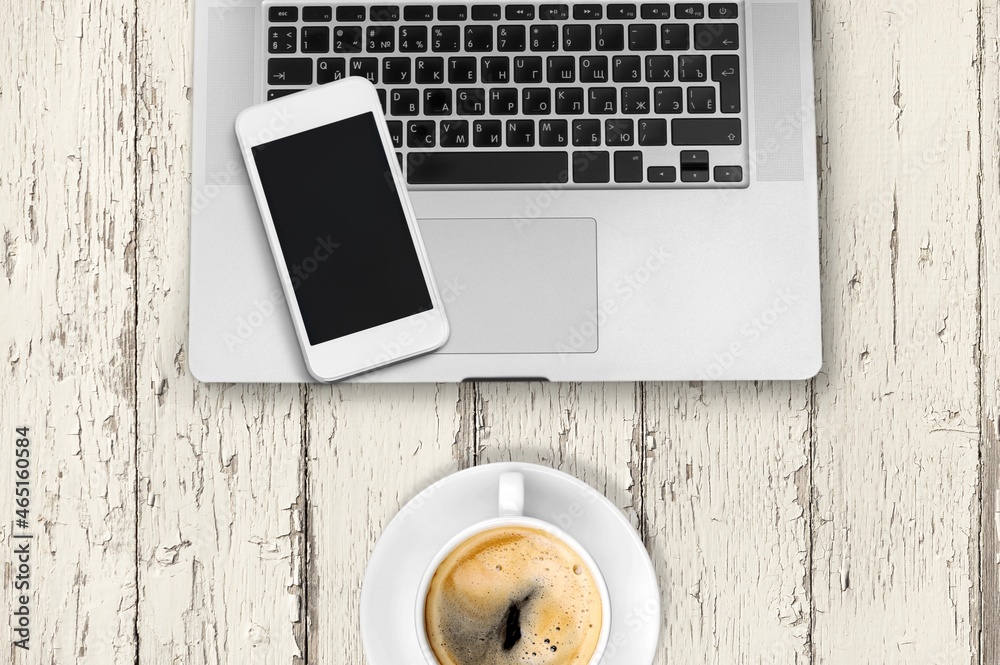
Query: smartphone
342 231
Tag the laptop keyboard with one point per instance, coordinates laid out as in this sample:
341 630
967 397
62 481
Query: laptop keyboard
501 96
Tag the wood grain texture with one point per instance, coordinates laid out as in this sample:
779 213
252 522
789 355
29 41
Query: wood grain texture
727 504
989 235
67 193
221 482
371 448
895 571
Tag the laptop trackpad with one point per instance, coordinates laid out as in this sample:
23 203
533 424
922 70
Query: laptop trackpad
516 286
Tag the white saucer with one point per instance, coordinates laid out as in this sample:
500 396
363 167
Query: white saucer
425 524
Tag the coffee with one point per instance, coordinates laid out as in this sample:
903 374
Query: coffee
513 594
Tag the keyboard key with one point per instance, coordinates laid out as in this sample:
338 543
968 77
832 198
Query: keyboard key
707 131
642 37
282 40
509 167
418 13
694 175
381 93
694 159
453 13
690 11
659 68
486 12
520 12
437 101
290 71
569 101
668 100
588 12
610 37
603 101
716 36
544 38
454 133
653 131
728 174
520 133
626 68
536 101
701 100
420 134
619 132
661 174
655 12
446 38
553 12
478 38
317 14
692 68
330 69
586 133
591 167
405 102
675 36
384 12
635 101
594 69
576 37
487 134
528 69
620 12
365 67
628 166
561 69
553 133
283 14
511 38
395 132
316 40
495 69
461 70
350 14
413 38
430 71
726 72
277 94
471 101
347 39
723 10
381 38
503 101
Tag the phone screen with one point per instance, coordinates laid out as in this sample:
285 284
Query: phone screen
341 228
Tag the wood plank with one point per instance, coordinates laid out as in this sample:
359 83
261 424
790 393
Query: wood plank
989 267
221 484
897 410
68 195
371 448
727 502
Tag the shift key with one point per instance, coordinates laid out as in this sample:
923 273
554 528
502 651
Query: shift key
707 131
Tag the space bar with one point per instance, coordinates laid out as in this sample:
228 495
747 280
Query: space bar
485 168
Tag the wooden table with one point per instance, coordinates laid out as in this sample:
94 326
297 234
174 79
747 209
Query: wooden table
849 519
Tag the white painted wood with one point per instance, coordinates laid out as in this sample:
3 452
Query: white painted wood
897 407
67 195
221 481
371 449
727 502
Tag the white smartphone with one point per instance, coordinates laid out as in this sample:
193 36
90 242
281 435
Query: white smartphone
344 237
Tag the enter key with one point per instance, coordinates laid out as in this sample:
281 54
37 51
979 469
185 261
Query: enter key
726 72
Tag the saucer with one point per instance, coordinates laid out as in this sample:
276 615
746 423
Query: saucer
433 517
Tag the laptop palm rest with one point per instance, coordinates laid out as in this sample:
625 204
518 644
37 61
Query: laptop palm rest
515 286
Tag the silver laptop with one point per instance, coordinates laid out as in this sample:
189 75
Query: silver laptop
609 191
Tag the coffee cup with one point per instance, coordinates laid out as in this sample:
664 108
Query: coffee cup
512 589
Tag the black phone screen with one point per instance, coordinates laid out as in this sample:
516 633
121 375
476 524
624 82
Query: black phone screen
342 229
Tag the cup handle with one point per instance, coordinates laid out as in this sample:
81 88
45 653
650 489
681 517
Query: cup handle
511 494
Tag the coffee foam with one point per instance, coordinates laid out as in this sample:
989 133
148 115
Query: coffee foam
511 578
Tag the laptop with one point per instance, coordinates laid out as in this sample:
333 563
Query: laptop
608 191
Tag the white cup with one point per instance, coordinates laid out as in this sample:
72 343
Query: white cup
511 513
